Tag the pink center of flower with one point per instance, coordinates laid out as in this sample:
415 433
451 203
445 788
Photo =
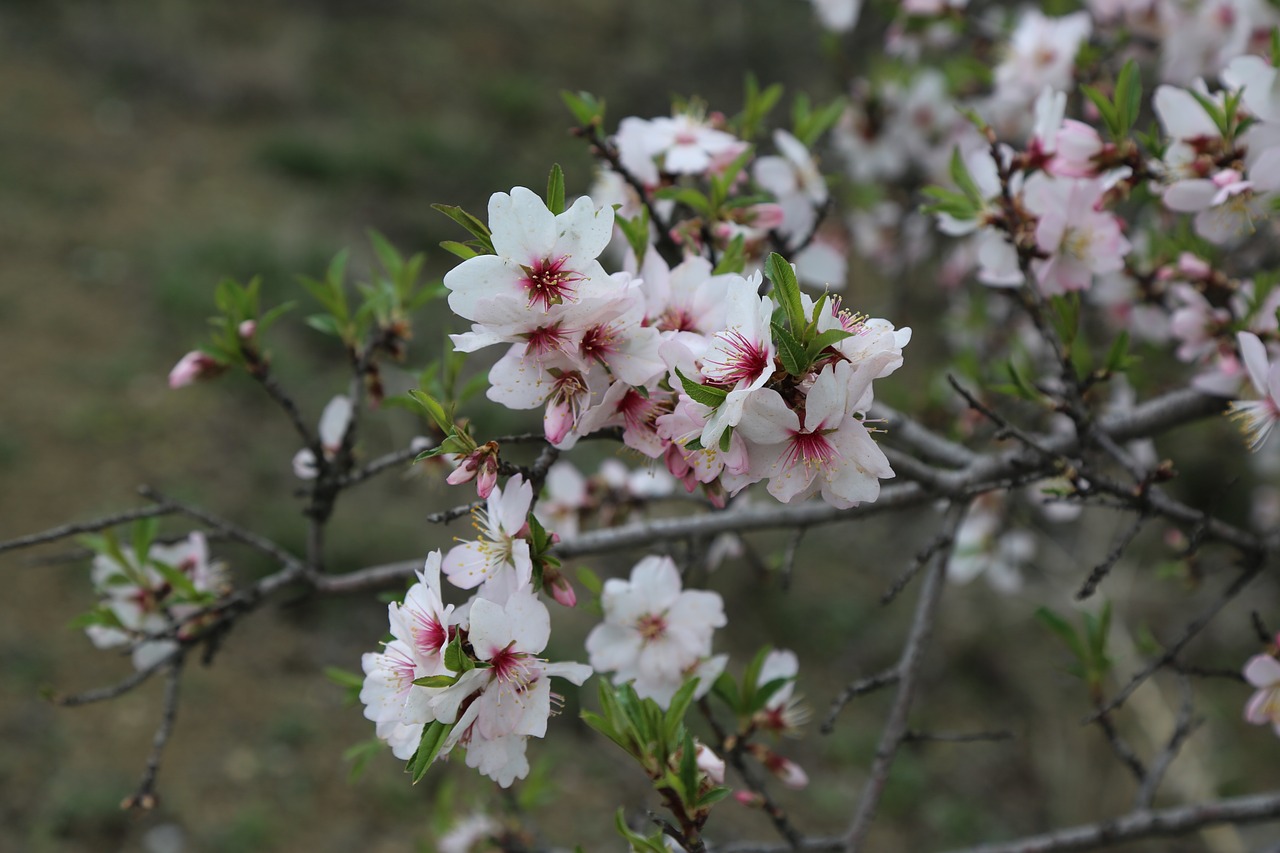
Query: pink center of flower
544 340
599 342
677 320
429 636
548 282
811 449
652 626
744 360
511 666
402 668
637 411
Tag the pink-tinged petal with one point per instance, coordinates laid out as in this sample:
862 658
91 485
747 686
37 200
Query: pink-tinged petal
1258 708
490 630
1254 353
569 671
1262 671
519 383
1181 114
1190 196
529 621
825 402
1265 173
516 499
788 482
469 564
766 419
698 607
523 228
611 646
583 230
481 279
658 580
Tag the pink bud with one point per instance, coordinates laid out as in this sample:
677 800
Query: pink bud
562 592
748 798
1193 266
192 366
767 216
464 473
557 421
488 477
247 329
711 764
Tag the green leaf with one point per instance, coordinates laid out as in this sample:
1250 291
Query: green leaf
706 395
344 678
790 351
726 438
960 175
555 190
477 228
601 725
434 409
1128 96
765 692
326 323
1059 626
387 254
710 798
176 578
1105 109
689 767
433 738
733 259
587 110
267 320
455 659
639 844
590 580
461 250
144 533
360 754
436 681
824 340
1118 355
727 689
636 230
786 289
676 710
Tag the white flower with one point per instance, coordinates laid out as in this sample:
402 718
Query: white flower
500 550
653 632
1257 417
1263 672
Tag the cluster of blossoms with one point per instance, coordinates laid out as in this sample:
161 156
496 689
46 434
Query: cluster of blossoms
690 365
155 593
467 676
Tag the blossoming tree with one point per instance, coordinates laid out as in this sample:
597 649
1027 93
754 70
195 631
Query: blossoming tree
1108 277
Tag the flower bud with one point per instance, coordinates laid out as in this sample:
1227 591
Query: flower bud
192 366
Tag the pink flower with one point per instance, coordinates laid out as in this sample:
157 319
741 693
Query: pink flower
1263 672
1257 417
829 450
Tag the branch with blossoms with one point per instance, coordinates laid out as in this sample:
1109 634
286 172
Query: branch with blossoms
666 312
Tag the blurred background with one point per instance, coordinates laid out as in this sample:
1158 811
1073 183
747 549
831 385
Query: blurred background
148 149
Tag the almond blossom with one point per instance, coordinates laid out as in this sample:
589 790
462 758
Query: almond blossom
141 602
542 259
1257 417
1263 672
823 448
501 554
654 634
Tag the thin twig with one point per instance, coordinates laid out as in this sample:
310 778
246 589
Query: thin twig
860 687
1100 571
1183 728
1121 748
942 540
789 557
64 530
120 688
144 797
908 671
1194 627
228 528
912 736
